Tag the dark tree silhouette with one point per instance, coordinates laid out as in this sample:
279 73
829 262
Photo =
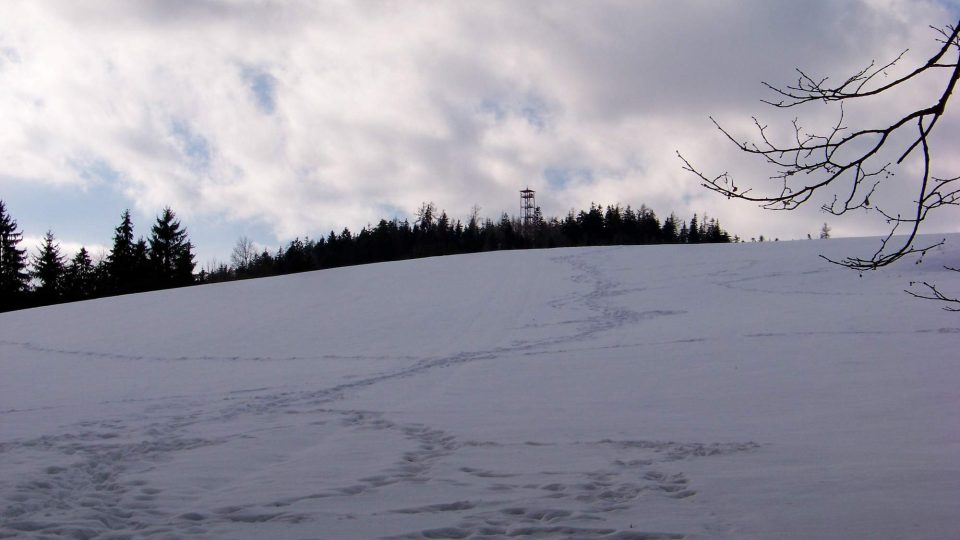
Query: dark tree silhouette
851 163
471 235
168 260
141 267
649 232
80 277
14 278
693 232
121 262
592 225
48 270
170 254
669 232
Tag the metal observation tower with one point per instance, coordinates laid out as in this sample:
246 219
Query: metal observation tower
528 206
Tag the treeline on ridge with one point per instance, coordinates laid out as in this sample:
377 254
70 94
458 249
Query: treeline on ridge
162 261
433 233
166 258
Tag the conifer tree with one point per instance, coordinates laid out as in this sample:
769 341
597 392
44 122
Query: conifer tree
48 270
14 278
142 274
170 254
120 263
80 276
630 227
650 231
591 223
693 233
508 235
613 225
669 232
471 235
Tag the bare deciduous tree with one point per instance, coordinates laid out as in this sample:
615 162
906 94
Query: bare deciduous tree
850 164
243 253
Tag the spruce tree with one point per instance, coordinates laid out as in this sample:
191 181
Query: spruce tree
141 269
48 270
121 272
631 227
650 232
80 276
171 254
14 278
592 225
184 265
669 232
613 225
693 233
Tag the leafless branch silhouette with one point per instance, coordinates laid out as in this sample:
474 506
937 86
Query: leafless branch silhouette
850 163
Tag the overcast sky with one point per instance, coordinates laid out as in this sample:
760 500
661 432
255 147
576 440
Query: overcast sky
281 119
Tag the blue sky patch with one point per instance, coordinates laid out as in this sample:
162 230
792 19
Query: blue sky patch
535 111
494 109
531 108
96 171
193 146
559 178
84 214
263 88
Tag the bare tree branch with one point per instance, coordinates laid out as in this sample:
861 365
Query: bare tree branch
850 162
932 293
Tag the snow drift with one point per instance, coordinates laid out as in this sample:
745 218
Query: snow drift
712 391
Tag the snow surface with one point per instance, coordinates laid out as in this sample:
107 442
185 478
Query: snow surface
714 391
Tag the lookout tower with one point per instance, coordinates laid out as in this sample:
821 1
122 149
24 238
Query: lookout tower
528 205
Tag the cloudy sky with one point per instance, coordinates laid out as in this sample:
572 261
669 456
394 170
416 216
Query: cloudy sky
275 119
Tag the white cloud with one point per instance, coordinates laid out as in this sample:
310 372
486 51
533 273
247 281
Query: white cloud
316 116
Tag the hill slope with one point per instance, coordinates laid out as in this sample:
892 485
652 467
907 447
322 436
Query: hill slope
715 391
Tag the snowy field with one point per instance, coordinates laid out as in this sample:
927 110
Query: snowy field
660 392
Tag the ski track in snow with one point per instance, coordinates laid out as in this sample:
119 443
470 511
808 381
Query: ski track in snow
91 486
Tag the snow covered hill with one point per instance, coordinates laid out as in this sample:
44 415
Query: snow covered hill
713 391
